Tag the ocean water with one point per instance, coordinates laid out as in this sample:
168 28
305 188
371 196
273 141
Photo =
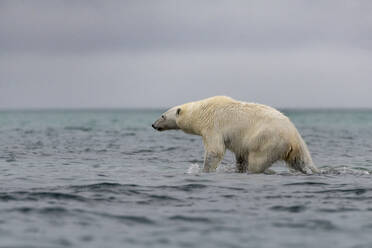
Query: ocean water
105 178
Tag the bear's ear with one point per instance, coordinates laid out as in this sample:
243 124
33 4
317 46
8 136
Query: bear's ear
178 111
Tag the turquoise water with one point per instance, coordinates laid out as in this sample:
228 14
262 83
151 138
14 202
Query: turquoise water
105 178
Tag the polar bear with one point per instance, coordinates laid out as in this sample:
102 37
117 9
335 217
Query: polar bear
257 134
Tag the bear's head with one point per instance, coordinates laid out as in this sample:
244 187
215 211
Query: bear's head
168 120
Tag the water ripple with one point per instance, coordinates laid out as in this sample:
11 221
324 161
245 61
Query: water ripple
309 183
78 128
291 209
187 187
36 196
190 219
309 224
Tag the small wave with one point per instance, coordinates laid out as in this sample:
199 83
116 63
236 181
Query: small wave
168 149
190 219
107 188
143 151
128 219
7 197
136 219
131 189
128 134
232 188
78 128
306 184
58 196
35 196
337 210
187 187
101 185
229 196
310 224
107 191
356 191
194 161
52 211
291 209
197 180
43 211
11 159
163 198
135 152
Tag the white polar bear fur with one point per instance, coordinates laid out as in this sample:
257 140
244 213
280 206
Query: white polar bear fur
257 134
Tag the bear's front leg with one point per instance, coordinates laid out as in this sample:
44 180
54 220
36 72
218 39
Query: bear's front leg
211 161
214 152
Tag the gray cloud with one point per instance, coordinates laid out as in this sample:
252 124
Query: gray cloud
110 25
160 53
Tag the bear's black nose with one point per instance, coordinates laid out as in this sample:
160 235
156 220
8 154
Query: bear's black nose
153 126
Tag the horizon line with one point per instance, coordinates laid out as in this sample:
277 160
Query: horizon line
162 108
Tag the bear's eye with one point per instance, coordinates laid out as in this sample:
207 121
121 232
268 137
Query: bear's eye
163 116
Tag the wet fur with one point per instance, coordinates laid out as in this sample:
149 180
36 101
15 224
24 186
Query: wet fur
257 134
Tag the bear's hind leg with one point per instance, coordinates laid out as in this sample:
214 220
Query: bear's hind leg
241 164
299 166
259 162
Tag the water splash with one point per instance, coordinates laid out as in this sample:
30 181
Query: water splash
194 169
226 168
222 168
344 170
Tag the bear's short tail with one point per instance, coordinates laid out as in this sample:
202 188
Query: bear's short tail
298 158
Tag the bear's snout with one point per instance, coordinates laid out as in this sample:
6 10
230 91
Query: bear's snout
156 127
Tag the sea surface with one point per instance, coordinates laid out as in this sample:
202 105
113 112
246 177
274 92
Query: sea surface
105 178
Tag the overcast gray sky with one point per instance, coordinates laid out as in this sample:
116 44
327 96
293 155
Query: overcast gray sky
138 53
